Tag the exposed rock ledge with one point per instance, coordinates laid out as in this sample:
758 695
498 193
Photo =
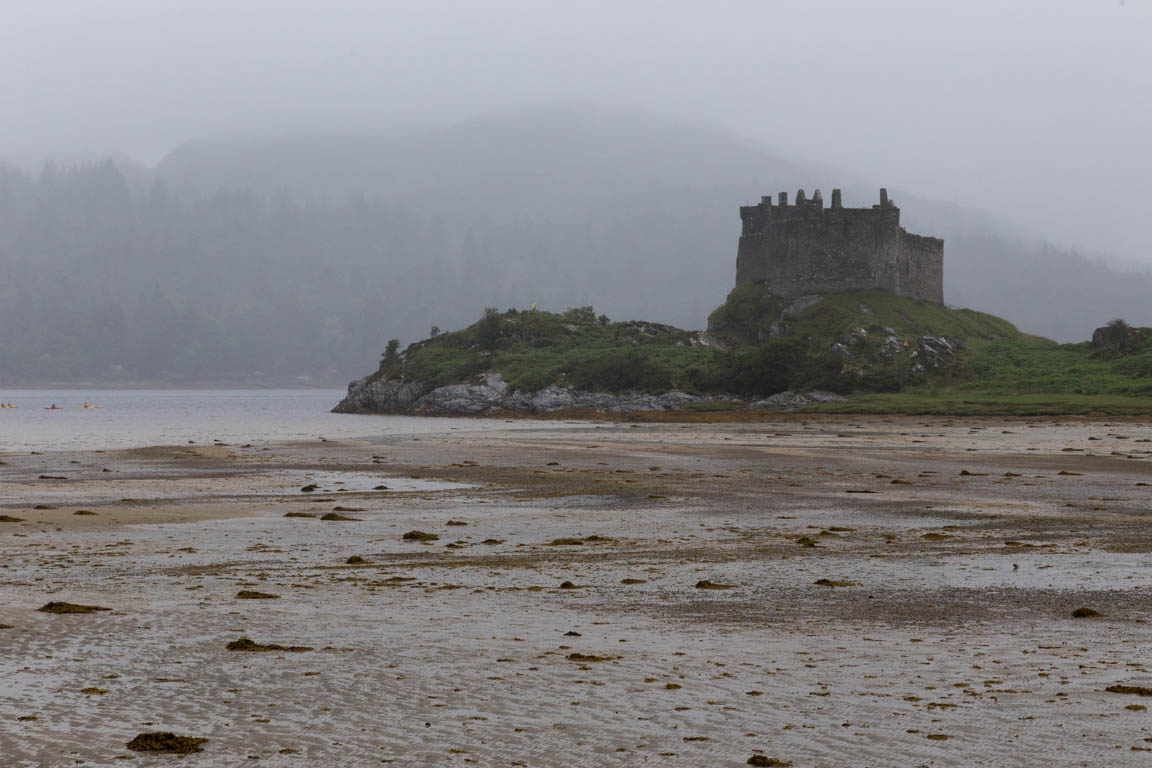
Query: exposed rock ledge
789 400
493 395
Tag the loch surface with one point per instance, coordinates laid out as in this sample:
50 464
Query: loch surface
131 418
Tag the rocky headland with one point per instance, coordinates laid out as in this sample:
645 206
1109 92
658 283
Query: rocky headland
493 395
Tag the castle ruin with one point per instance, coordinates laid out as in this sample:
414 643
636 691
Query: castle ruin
807 249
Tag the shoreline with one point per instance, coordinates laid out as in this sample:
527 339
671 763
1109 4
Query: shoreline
955 637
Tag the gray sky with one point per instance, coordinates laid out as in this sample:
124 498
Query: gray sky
1041 109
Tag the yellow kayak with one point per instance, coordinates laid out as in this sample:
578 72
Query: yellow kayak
87 406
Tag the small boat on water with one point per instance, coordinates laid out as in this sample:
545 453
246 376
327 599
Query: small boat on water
53 407
86 405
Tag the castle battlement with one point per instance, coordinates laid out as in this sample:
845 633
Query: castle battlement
806 248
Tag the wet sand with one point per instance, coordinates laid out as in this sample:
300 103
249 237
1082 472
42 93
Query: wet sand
557 618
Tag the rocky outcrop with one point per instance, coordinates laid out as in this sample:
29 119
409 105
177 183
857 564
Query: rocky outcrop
933 352
491 394
925 353
1118 339
380 396
786 401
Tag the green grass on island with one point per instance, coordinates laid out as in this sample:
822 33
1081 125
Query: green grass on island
882 350
1027 377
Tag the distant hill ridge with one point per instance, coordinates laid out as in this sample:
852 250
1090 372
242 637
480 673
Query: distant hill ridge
654 194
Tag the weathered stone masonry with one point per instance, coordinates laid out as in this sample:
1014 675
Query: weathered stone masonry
806 249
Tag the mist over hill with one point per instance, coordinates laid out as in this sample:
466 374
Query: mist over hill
267 259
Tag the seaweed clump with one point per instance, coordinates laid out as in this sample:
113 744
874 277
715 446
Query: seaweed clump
569 541
61 607
337 516
10 519
705 584
420 536
768 762
251 594
1138 690
833 583
1086 613
587 657
166 741
244 644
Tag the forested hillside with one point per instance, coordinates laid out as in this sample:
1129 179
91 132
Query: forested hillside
106 282
262 261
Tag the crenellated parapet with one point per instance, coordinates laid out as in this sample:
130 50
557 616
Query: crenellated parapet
806 248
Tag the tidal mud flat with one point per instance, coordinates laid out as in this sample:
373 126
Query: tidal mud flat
816 591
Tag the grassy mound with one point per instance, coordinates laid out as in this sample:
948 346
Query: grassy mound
750 312
534 349
1030 366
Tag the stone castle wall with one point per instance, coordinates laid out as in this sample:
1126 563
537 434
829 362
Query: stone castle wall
809 249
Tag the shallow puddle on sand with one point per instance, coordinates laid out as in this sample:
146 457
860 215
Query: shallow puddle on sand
357 482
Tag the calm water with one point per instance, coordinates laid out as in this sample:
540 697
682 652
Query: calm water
131 418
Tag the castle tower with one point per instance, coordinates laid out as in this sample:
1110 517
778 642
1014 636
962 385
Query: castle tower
805 249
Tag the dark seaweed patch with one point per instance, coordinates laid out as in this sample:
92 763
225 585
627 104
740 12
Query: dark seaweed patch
244 644
60 607
1138 690
166 741
833 583
705 584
